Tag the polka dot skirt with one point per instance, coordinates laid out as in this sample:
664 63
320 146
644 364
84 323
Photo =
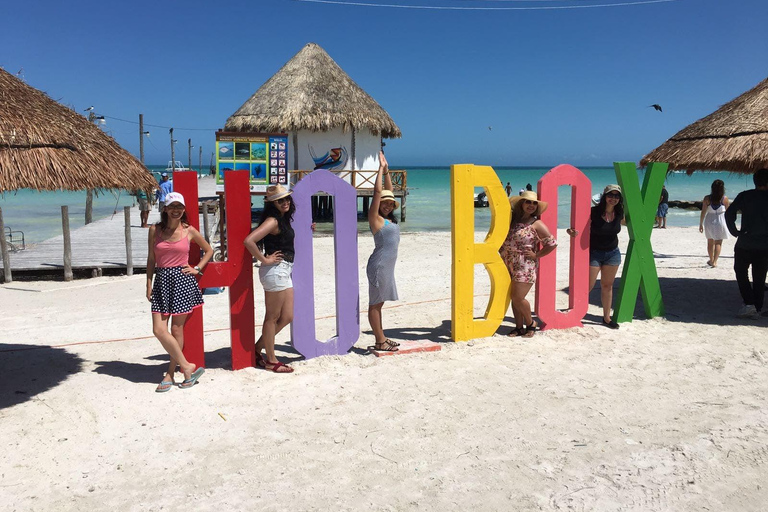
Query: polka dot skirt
174 292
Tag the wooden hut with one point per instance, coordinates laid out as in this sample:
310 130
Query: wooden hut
733 138
333 123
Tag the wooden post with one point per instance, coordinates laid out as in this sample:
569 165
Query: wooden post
67 243
128 245
206 223
295 151
402 208
89 206
7 277
352 178
189 156
366 202
200 162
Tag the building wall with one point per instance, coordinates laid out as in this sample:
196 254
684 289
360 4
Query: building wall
336 145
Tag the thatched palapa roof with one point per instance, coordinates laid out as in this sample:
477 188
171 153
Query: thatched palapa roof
311 92
733 138
46 146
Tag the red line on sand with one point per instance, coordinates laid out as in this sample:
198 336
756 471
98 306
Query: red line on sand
139 338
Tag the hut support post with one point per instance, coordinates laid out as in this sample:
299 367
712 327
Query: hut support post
4 249
128 244
402 208
67 243
365 205
89 206
206 224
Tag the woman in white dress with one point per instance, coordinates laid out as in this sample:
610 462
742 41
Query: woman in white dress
712 220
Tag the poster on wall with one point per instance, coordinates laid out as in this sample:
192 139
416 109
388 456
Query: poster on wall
263 155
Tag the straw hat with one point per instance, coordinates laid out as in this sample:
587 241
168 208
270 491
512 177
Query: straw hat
388 195
531 196
275 192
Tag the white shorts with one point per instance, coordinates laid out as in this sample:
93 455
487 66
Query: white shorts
276 278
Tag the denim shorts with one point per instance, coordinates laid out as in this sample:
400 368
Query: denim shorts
276 278
662 210
599 258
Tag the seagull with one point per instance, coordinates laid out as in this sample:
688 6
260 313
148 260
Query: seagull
88 109
490 128
656 106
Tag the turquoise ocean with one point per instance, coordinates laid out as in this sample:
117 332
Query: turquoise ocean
38 214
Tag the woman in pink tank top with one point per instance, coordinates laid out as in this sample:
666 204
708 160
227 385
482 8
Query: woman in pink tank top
174 293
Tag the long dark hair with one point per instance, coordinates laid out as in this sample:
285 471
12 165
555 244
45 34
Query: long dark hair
164 220
283 220
619 208
718 191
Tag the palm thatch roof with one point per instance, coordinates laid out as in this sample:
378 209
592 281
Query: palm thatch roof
311 92
46 146
733 138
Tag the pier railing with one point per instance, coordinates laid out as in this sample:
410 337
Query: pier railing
361 179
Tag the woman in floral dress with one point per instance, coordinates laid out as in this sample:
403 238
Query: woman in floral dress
527 241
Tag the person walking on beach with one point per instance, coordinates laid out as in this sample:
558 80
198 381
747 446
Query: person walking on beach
272 244
752 244
143 200
166 187
508 189
175 292
661 211
381 265
712 220
606 219
520 253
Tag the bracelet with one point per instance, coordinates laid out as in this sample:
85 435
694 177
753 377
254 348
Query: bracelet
199 272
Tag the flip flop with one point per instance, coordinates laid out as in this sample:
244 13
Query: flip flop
277 365
188 383
164 386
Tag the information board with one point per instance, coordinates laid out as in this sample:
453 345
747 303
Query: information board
263 155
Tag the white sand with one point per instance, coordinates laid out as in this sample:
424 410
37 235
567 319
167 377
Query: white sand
663 414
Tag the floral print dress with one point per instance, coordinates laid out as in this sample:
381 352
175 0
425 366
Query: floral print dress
522 236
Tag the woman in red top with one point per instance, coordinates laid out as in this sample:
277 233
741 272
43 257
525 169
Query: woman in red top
175 292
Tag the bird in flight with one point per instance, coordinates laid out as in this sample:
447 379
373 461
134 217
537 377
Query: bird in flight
656 106
88 109
490 128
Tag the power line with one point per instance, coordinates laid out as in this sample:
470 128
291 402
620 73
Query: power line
161 126
449 8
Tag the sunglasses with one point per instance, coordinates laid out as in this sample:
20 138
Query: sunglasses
282 200
614 195
174 206
528 201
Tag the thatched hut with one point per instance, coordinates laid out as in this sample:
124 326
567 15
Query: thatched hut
733 138
46 146
333 123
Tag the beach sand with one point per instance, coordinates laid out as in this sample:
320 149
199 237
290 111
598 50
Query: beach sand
662 414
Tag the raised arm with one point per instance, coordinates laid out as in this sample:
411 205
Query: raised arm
374 219
251 241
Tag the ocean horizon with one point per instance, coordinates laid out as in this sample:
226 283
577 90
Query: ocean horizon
38 214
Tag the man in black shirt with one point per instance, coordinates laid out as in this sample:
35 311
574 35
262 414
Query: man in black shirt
661 211
752 244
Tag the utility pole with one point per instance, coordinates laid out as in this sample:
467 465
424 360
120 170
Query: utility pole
141 137
173 153
200 162
189 156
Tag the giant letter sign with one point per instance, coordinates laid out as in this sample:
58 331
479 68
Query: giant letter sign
639 267
345 253
466 253
578 277
236 272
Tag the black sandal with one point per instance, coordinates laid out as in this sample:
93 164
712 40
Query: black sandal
517 331
386 346
530 329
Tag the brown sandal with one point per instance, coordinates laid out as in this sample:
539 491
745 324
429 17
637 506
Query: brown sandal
517 331
386 346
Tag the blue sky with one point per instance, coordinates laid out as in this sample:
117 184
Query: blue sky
556 86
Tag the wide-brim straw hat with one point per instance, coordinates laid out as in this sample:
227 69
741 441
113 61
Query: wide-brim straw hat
388 195
530 195
275 192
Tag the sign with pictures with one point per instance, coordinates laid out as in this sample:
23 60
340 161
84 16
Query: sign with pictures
263 155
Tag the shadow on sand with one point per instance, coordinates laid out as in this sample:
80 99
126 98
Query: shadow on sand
28 370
